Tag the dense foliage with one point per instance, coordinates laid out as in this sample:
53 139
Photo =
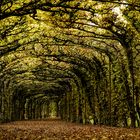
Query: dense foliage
75 59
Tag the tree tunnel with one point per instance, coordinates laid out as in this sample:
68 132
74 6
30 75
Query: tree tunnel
69 59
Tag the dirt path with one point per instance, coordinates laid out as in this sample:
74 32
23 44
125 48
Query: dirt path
61 130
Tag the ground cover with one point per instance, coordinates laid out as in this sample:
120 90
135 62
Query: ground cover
54 129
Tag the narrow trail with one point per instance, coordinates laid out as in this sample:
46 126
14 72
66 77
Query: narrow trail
54 129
